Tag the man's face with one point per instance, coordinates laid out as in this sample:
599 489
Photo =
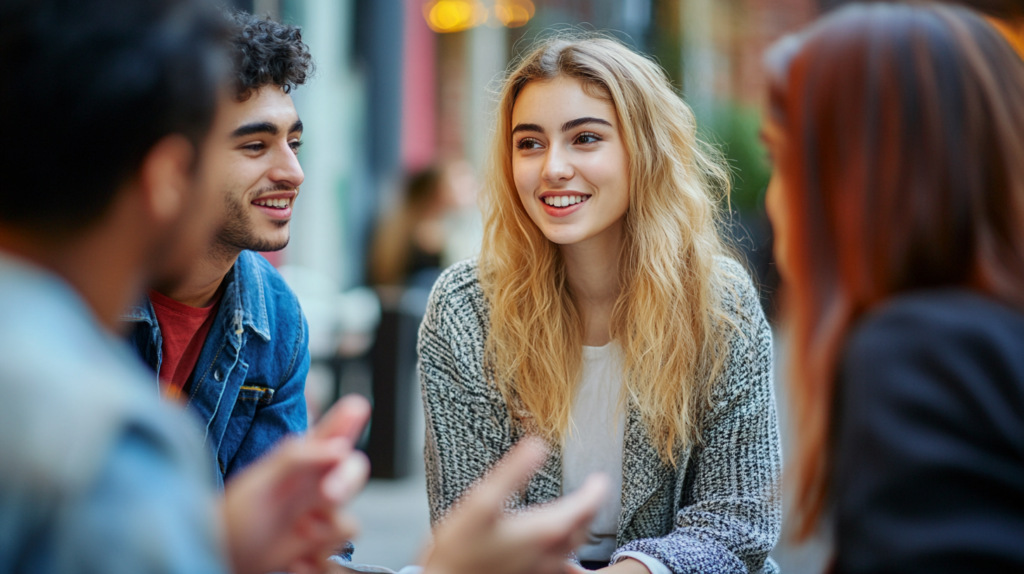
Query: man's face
254 167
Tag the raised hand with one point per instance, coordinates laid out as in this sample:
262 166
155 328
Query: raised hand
286 511
478 537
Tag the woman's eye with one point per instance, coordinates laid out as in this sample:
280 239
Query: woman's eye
527 143
587 138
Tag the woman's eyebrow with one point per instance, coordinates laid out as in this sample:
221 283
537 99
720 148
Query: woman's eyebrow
527 128
583 121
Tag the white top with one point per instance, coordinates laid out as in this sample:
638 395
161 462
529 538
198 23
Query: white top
594 444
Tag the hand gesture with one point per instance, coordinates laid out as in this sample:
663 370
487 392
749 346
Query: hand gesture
285 512
478 537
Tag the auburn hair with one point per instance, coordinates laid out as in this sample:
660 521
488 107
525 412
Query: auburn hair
903 160
668 319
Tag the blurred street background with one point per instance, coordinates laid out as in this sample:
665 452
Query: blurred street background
397 123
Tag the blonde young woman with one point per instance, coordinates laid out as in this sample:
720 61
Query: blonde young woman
604 316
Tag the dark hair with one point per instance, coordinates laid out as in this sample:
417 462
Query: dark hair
902 151
266 53
89 86
997 8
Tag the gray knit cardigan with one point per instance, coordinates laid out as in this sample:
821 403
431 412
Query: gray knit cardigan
718 511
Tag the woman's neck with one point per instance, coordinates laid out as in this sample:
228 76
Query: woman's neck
592 268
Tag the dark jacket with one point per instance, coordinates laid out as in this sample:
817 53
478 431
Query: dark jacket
247 389
928 473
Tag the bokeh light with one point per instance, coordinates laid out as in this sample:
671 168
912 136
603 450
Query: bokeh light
514 13
446 16
454 15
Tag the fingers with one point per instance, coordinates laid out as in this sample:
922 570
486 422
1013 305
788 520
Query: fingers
563 526
510 474
345 419
580 507
347 479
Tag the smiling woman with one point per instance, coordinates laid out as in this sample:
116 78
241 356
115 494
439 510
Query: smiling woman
605 316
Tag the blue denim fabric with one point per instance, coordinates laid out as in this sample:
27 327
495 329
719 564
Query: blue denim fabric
97 475
248 385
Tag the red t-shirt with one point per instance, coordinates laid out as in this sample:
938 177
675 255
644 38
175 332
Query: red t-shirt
184 331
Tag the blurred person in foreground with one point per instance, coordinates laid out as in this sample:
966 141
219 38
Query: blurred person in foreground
605 314
897 134
107 194
228 339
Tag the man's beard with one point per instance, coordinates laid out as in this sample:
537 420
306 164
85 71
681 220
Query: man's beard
237 232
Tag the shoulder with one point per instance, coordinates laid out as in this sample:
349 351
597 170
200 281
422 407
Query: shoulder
934 347
738 296
458 282
457 300
935 324
282 303
63 420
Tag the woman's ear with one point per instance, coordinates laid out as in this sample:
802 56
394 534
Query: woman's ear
165 178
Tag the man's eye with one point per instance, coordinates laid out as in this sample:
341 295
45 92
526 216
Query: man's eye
295 145
587 138
254 147
527 143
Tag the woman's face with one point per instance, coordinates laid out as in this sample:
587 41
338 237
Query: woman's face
776 198
569 162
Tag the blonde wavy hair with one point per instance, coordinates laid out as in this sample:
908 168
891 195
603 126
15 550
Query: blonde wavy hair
668 318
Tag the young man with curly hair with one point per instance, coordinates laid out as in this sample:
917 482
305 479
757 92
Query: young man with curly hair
230 341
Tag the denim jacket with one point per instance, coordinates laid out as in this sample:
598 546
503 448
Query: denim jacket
248 385
96 473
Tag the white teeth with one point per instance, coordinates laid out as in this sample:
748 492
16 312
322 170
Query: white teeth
276 203
564 200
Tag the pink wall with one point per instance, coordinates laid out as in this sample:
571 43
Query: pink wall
419 115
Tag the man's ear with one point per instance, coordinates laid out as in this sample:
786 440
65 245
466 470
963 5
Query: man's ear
166 176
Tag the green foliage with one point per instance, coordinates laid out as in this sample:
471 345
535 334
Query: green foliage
735 129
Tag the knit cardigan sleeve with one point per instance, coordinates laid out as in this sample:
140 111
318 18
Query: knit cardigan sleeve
730 512
467 429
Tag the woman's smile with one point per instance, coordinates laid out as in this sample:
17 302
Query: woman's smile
563 203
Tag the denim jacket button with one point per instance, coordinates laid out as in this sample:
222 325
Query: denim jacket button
216 375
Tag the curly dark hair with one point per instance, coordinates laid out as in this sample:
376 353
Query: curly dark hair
266 52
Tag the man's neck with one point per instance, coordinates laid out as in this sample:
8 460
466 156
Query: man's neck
106 271
199 287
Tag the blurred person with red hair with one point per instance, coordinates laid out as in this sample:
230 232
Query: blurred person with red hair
897 134
1006 15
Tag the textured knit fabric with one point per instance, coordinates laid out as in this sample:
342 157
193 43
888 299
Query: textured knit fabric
717 511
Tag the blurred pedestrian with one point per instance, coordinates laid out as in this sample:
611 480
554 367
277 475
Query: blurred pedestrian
897 134
411 238
605 315
228 339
